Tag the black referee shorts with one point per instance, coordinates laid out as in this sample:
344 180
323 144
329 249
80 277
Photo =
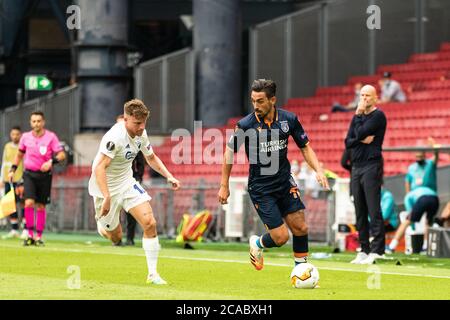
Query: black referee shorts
37 186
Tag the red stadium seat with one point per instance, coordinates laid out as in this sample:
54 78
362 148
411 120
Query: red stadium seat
445 46
426 113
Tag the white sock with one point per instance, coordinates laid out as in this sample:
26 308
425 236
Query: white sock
393 244
151 248
425 244
100 230
300 260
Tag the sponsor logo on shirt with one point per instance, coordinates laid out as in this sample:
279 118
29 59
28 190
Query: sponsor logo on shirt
271 146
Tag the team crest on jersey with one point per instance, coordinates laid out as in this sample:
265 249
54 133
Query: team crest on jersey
43 150
284 126
129 155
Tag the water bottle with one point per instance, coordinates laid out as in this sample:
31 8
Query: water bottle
408 244
341 243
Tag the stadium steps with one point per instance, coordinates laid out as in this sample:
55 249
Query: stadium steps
425 78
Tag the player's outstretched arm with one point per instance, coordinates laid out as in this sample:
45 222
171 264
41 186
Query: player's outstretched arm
156 164
227 165
311 159
433 144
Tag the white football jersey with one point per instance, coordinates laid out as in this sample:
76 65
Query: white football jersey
122 149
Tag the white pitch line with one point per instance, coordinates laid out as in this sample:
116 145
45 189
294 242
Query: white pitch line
230 261
322 268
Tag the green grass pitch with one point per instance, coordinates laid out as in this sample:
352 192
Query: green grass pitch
213 271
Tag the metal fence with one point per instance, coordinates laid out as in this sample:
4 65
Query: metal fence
166 84
72 210
61 110
396 184
72 207
326 43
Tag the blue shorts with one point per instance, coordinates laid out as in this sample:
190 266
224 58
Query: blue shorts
272 207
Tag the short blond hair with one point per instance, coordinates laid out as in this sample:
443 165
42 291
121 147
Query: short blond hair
136 108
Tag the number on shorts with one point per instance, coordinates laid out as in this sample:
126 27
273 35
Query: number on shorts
138 189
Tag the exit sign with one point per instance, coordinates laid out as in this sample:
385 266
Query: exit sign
37 83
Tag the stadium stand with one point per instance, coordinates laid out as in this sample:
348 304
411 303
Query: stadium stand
426 80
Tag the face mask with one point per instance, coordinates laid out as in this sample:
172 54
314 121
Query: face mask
421 162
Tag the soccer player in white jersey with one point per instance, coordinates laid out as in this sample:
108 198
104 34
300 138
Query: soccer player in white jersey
113 187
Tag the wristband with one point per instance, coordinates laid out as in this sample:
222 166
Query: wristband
13 168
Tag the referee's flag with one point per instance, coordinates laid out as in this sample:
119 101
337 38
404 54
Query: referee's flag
8 204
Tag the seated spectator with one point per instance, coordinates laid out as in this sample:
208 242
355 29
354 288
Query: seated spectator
307 178
295 171
352 105
444 219
391 90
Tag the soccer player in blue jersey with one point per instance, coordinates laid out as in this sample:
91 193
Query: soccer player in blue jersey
272 189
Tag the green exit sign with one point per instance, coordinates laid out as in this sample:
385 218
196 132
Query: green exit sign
38 83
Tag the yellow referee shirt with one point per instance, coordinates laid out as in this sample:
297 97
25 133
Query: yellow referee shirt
9 153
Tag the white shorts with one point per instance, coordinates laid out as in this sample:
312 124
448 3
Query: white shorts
132 197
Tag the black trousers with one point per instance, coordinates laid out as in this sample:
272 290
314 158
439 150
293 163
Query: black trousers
366 187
